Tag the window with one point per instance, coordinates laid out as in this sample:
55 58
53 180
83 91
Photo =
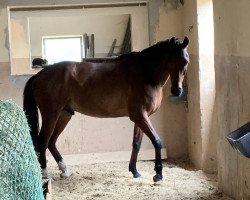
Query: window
56 49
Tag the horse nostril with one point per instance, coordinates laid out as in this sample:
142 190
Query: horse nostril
177 91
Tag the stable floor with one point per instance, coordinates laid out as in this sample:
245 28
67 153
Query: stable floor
112 181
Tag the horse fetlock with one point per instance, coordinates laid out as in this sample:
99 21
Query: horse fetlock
66 174
158 168
45 174
134 171
136 174
131 168
157 178
62 166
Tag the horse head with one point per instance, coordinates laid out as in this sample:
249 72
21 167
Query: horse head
178 62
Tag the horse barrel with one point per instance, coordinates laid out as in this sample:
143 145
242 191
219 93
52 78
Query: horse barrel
20 176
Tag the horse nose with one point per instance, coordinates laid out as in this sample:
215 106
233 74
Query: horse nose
176 91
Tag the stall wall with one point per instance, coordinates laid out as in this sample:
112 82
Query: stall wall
89 135
202 139
232 61
193 80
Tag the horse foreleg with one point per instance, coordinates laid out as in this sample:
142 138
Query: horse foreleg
138 134
143 122
61 124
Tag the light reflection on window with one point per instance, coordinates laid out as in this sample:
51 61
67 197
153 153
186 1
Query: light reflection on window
57 49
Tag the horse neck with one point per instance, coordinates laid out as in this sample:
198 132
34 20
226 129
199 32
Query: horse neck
156 73
160 75
156 69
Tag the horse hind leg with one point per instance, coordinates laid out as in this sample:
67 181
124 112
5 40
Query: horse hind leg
63 120
137 139
49 120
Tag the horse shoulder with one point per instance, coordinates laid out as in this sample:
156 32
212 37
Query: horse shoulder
81 72
147 98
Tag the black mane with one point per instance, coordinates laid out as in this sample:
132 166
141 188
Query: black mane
154 52
161 48
150 54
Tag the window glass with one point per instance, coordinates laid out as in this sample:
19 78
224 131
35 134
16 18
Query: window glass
62 49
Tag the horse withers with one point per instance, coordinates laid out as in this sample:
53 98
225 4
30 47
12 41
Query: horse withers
129 85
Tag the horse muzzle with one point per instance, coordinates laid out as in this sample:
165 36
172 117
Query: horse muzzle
177 91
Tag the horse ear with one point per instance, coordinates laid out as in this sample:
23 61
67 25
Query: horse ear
172 40
185 42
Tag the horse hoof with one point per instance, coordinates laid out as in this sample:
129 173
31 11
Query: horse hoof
136 175
65 174
157 178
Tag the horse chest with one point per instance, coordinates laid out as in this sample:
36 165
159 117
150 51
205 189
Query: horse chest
153 98
155 104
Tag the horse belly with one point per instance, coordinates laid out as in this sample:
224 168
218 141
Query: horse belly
103 106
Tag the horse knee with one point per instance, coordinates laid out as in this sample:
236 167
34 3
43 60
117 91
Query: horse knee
157 144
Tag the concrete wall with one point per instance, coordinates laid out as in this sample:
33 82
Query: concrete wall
86 134
232 61
198 26
193 79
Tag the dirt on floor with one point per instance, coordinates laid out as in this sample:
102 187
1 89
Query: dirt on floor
112 181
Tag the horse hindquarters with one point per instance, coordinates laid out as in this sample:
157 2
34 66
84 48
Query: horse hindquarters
49 119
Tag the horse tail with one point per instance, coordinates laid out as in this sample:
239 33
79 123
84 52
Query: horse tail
31 111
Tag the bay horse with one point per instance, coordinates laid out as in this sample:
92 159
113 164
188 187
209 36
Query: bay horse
130 85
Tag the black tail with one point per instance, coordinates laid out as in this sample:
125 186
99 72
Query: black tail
31 111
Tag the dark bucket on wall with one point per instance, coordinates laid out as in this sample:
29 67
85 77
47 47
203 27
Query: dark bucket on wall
240 139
